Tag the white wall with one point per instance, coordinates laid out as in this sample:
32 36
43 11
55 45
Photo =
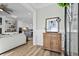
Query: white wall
41 14
21 24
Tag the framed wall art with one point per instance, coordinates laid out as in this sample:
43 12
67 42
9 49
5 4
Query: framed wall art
52 24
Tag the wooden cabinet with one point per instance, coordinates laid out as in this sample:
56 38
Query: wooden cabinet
52 41
46 41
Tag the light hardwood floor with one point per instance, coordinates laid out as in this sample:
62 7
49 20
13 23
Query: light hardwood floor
29 50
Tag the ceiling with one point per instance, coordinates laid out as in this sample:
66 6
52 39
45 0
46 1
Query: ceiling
23 10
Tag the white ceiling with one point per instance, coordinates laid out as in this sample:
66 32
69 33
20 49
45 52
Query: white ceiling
23 13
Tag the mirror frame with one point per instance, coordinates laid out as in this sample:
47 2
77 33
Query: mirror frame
57 19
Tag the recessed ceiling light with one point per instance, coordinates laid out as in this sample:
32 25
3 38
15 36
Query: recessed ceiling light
1 10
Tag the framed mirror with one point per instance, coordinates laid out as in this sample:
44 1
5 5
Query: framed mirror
52 24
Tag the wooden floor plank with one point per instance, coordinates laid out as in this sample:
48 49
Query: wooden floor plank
46 53
32 51
21 52
35 53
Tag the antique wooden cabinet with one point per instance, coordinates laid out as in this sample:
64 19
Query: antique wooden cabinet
52 41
